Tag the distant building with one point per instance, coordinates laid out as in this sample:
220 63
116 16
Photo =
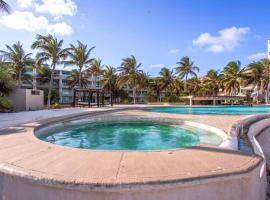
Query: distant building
61 84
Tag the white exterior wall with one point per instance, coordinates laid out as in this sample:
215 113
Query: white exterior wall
268 49
34 102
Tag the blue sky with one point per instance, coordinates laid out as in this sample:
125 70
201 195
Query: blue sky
157 32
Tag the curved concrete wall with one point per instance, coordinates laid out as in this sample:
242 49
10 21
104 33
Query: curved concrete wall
247 186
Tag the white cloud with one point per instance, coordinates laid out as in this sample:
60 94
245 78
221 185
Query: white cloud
227 39
157 66
173 51
60 29
257 56
25 3
27 21
57 8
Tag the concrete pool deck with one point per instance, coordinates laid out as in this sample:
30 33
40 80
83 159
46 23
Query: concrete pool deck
40 170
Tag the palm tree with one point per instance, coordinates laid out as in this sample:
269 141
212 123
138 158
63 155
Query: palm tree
253 74
154 85
78 78
144 82
17 58
130 74
258 73
178 86
79 56
194 86
166 79
96 69
212 81
43 74
108 81
4 7
232 77
50 50
186 68
266 77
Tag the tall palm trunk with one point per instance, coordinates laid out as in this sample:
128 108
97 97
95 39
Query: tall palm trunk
34 83
158 96
134 95
80 78
185 84
257 96
20 78
50 87
267 93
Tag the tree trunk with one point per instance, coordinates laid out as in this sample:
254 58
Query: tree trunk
50 88
267 94
257 95
80 78
185 84
35 80
134 95
158 96
20 78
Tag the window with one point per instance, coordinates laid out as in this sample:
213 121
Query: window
35 92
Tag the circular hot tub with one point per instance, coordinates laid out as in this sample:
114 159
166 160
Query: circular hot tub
129 135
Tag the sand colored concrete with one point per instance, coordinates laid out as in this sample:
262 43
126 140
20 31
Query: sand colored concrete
40 170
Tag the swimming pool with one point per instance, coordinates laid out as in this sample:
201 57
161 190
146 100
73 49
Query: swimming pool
129 135
211 110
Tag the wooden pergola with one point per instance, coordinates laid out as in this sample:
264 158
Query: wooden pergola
85 97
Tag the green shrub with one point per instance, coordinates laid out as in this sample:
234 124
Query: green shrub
5 104
126 101
151 97
171 99
56 106
54 96
7 83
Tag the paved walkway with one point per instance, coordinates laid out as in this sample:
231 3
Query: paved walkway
13 119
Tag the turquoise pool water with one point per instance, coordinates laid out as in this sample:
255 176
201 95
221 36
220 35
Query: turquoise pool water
211 110
130 135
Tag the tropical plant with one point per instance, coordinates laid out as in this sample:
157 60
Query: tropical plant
51 49
232 77
178 86
266 77
79 56
194 86
7 83
4 7
17 58
5 104
155 89
44 74
212 81
109 81
166 79
75 77
253 75
96 69
258 73
130 74
185 69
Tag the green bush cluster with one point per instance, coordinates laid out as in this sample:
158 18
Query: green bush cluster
56 106
171 99
5 104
